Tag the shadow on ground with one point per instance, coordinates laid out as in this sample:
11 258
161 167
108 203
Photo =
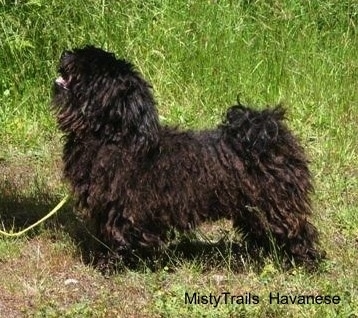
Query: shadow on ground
25 198
17 211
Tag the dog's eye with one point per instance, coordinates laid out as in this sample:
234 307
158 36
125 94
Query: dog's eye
61 71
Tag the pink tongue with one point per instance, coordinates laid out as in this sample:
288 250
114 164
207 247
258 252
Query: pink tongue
61 81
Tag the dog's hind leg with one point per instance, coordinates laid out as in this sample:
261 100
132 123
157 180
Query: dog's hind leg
253 227
259 232
302 245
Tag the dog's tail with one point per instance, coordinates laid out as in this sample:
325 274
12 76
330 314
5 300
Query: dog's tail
267 152
254 133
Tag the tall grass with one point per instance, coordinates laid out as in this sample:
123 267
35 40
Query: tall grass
201 57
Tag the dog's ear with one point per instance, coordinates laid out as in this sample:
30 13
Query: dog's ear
130 114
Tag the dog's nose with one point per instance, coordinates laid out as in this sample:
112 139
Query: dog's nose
65 54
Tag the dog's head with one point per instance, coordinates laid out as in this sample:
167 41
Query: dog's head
105 97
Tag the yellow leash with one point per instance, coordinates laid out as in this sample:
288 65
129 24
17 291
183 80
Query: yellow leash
55 209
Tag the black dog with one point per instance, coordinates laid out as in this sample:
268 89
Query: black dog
138 179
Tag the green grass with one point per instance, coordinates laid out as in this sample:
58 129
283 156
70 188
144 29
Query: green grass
200 56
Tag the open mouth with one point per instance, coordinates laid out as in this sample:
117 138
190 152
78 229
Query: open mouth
64 83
